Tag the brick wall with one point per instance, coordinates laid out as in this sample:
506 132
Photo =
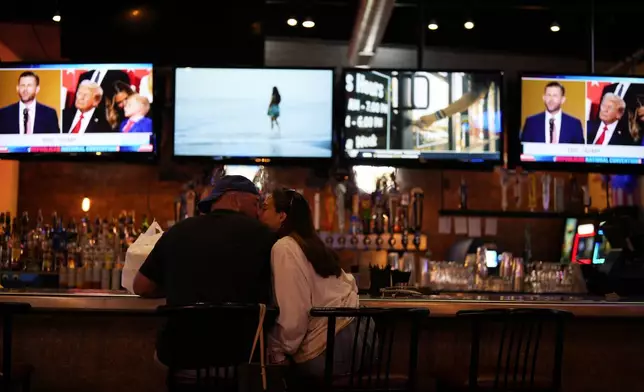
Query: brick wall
113 187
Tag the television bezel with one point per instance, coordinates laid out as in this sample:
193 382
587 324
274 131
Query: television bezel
449 164
151 156
259 160
515 148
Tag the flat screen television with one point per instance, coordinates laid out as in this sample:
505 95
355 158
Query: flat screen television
586 122
76 109
410 117
253 114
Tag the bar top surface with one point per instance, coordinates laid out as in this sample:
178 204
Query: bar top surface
444 305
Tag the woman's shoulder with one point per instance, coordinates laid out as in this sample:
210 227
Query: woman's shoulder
286 242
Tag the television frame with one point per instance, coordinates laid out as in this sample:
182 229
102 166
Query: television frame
103 156
259 160
515 148
448 164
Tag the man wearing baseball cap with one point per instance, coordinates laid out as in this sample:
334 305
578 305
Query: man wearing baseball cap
221 256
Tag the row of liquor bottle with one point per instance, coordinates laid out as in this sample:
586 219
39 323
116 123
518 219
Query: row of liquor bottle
386 210
35 247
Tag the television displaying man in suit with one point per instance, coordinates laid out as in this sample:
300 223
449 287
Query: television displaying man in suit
136 108
85 116
608 130
553 125
633 96
111 81
27 116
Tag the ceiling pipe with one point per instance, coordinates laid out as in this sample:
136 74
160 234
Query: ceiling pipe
371 23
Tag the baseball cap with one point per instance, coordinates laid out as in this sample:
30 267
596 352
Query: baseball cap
227 184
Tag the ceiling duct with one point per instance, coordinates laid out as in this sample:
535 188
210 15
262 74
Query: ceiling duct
371 22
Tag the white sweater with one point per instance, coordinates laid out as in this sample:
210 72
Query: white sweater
298 289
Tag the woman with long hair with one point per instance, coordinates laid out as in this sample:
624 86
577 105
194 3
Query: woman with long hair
306 274
274 108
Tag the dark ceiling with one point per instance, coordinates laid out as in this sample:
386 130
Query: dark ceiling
502 25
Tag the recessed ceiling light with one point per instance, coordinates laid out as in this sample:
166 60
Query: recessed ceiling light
308 23
432 25
469 25
56 18
291 22
555 28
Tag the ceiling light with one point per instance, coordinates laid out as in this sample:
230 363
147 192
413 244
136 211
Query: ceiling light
308 23
135 13
469 25
432 25
555 27
56 17
291 22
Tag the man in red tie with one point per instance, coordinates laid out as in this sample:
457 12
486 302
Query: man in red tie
608 130
85 116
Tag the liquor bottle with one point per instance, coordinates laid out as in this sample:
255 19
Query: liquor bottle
328 221
378 208
394 207
16 247
145 225
340 195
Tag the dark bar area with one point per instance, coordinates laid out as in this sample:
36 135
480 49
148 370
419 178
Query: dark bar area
475 203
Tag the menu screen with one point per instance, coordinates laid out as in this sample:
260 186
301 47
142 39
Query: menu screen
422 115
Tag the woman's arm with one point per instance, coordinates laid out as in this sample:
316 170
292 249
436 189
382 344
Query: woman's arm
293 296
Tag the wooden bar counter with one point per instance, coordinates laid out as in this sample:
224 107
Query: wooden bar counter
104 341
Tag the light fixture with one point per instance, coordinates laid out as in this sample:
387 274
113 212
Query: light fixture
135 13
432 25
469 24
291 22
56 17
308 23
554 27
85 204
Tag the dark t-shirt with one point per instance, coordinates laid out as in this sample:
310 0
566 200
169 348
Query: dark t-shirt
220 257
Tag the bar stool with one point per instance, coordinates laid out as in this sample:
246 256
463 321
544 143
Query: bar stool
202 344
520 343
19 375
372 351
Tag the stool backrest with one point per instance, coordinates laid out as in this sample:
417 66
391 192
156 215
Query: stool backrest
204 336
375 332
520 334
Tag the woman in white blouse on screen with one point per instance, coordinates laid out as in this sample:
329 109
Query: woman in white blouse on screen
306 274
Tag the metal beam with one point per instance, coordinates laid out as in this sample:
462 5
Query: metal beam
371 22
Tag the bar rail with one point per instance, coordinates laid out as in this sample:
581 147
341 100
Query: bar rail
439 305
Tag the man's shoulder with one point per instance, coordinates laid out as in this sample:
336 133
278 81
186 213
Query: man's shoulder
45 108
9 108
568 117
535 117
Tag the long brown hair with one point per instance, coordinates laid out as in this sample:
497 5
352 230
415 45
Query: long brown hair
299 226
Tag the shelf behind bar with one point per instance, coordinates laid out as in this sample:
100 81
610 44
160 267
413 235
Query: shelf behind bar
516 214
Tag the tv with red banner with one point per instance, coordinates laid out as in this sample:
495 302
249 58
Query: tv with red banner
587 121
76 109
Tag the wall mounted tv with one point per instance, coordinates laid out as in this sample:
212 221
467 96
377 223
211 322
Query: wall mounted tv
76 110
422 118
584 122
253 114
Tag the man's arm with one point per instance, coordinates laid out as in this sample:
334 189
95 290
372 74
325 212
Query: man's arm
149 281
